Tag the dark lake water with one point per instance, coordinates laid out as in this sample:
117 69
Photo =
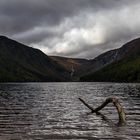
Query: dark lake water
40 111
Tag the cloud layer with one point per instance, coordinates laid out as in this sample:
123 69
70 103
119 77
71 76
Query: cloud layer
75 28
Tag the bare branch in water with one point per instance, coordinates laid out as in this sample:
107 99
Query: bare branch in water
116 103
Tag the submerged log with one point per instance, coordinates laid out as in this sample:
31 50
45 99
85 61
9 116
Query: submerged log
116 103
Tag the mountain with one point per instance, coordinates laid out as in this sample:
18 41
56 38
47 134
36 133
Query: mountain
19 62
75 66
119 65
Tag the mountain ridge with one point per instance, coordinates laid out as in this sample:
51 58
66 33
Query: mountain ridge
21 63
36 65
124 68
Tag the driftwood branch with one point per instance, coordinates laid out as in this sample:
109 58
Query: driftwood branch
116 103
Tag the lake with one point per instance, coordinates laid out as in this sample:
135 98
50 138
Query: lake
40 111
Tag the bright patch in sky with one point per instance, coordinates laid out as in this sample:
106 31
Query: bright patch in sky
75 28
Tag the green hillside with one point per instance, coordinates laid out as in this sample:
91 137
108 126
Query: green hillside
126 70
125 66
19 62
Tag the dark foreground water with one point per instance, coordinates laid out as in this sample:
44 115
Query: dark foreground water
40 111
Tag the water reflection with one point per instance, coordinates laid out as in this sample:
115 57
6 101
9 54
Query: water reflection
38 111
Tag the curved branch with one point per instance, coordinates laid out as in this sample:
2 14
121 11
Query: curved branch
117 104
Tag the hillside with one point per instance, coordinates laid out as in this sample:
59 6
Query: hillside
124 68
22 63
76 67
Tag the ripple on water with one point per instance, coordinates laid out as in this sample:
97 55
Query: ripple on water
38 111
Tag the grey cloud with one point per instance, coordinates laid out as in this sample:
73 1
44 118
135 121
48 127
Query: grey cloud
23 15
74 28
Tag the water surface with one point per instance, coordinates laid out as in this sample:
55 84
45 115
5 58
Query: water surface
39 111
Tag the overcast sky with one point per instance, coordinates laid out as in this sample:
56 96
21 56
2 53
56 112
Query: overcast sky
72 28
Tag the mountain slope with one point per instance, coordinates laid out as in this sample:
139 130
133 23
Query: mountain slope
22 63
124 68
76 67
129 49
